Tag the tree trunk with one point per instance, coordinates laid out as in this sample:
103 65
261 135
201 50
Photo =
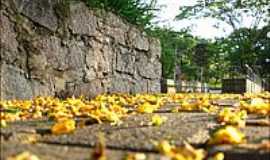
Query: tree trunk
201 78
163 81
178 83
177 72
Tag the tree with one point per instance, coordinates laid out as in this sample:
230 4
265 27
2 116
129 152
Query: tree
251 47
231 12
218 65
170 42
246 44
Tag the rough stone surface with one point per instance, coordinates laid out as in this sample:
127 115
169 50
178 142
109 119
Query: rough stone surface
153 85
146 68
14 83
39 11
48 48
82 20
125 61
138 40
8 40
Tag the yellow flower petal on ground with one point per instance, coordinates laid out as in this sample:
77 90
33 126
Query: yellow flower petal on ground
3 123
112 108
186 152
146 108
24 156
136 156
256 105
217 156
227 135
63 126
228 116
164 147
151 98
157 120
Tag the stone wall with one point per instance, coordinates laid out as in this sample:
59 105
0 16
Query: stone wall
51 48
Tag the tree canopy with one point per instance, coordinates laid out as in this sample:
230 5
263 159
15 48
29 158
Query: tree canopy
231 12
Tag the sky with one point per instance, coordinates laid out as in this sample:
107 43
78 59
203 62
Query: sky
203 28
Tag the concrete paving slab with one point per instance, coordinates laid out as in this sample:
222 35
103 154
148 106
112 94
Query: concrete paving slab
60 152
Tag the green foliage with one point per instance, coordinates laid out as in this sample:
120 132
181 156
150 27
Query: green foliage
218 66
231 12
201 54
168 42
134 11
245 45
172 42
249 46
186 45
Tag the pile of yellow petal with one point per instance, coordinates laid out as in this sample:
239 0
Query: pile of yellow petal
256 105
63 126
49 107
227 135
228 116
186 152
148 103
195 102
24 156
114 107
103 108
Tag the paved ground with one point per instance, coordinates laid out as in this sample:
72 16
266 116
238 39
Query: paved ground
133 135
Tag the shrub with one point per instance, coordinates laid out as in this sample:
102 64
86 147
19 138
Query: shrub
134 11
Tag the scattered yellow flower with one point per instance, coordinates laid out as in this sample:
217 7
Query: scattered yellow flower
24 156
186 152
112 108
135 156
164 147
3 123
217 156
227 135
63 126
157 120
146 108
228 116
256 105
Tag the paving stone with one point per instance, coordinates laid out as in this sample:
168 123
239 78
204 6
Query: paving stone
59 152
226 102
237 153
256 133
136 134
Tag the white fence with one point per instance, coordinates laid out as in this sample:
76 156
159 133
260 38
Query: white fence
187 86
